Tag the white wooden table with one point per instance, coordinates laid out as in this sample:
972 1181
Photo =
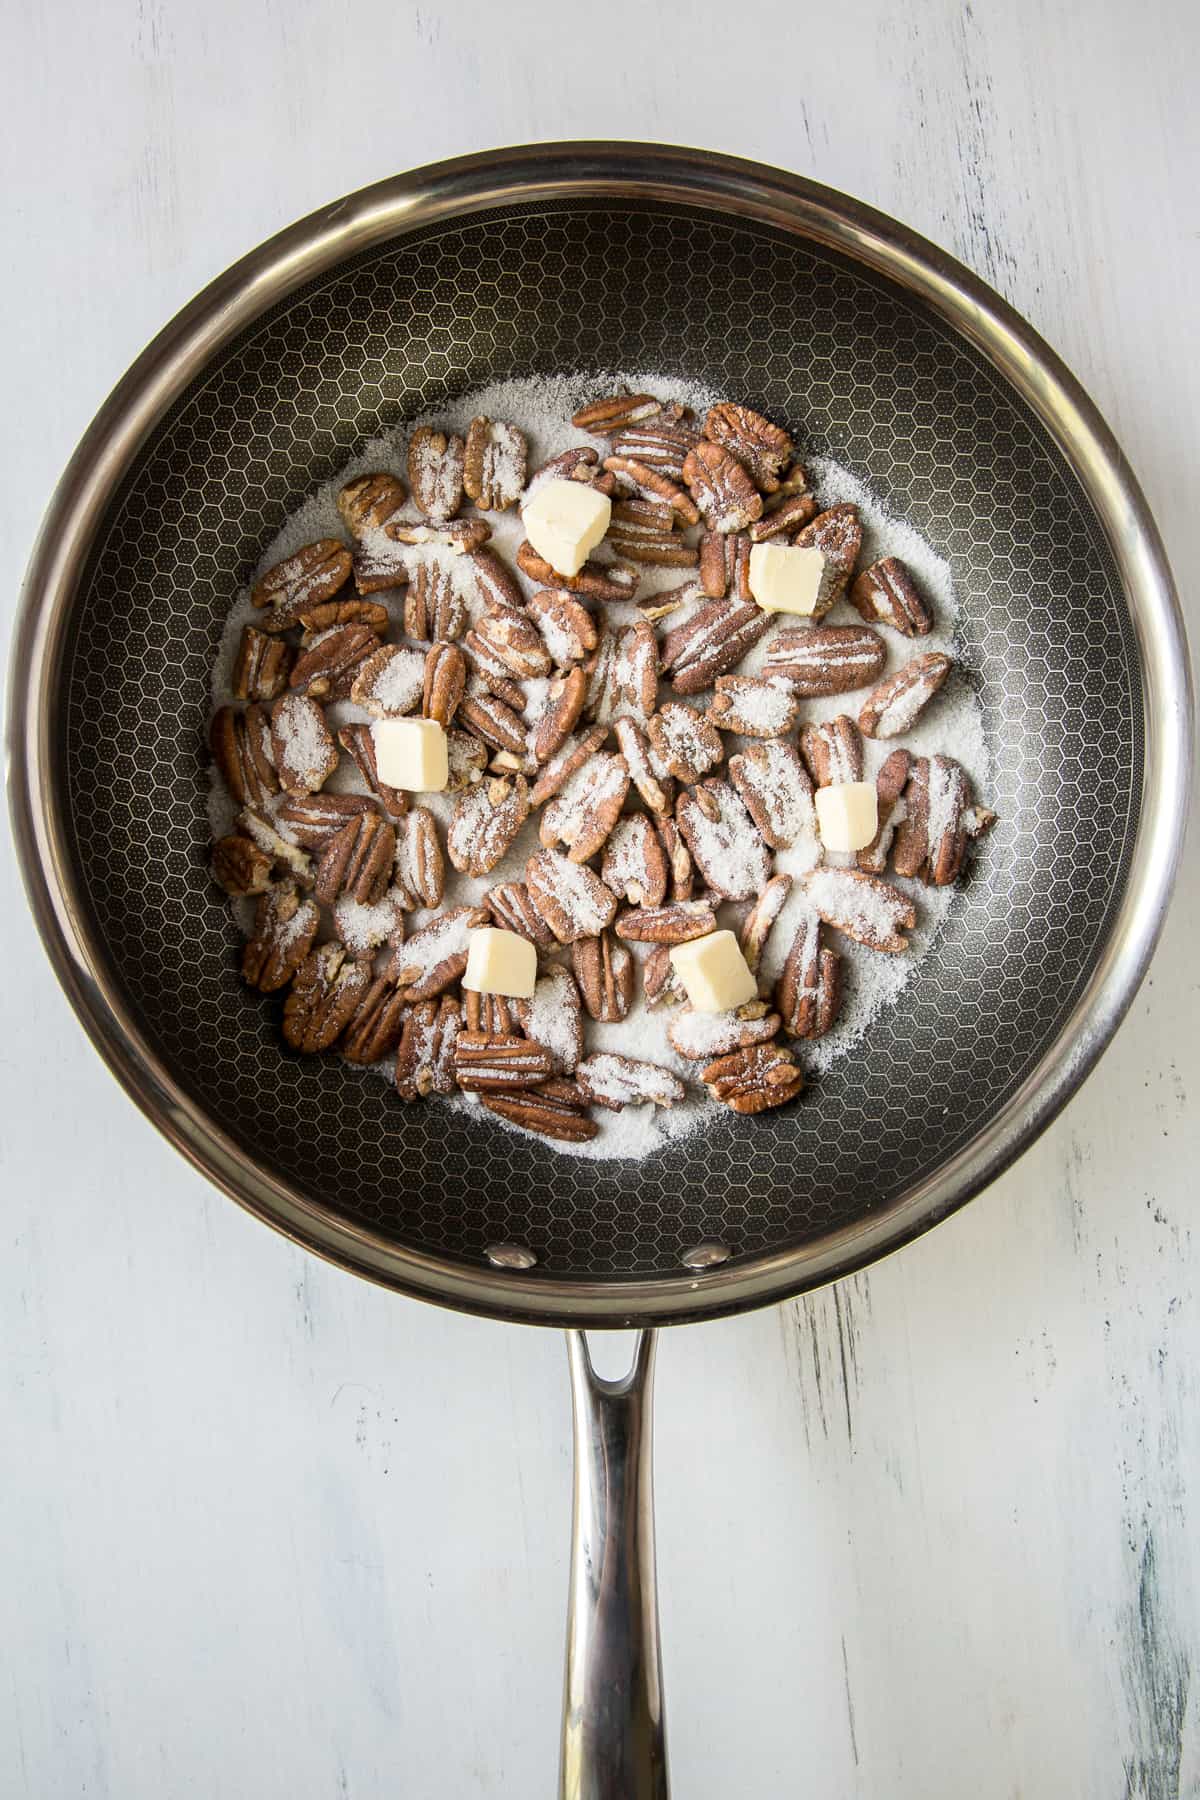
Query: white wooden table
269 1532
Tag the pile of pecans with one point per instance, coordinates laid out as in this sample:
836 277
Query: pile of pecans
665 784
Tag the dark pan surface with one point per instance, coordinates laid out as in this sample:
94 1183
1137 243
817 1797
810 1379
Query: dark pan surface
857 371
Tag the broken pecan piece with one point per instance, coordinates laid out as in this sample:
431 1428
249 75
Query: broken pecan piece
493 1013
659 981
284 928
324 994
762 448
495 463
358 743
357 861
889 786
679 858
760 920
327 668
435 472
426 1054
241 866
751 1080
752 708
509 635
260 671
897 703
700 1036
887 594
615 1081
486 821
467 758
564 706
605 973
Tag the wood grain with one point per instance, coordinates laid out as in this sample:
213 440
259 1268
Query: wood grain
268 1531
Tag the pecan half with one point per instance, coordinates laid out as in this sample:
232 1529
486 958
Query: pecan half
495 463
390 683
365 929
897 703
420 870
832 750
309 575
380 565
761 919
553 1017
552 1111
683 741
586 808
615 412
511 907
483 1063
700 1036
723 491
284 928
322 999
426 1053
808 993
240 866
887 594
330 664
494 722
838 535
572 900
370 502
357 742
634 865
445 682
643 531
260 671
890 784
816 661
750 1081
752 708
304 751
571 756
725 564
328 613
615 1081
486 821
676 923
378 1019
467 758
774 785
435 956
568 629
512 636
563 708
725 843
285 855
661 444
783 513
595 581
436 605
312 819
762 448
492 1013
357 861
580 463
435 472
623 673
244 753
652 484
656 606
931 840
711 642
870 911
656 788
605 973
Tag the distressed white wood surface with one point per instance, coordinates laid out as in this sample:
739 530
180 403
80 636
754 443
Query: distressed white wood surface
269 1532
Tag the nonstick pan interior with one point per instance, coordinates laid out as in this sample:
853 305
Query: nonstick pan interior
857 370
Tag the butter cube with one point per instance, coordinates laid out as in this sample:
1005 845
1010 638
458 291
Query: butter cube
500 962
411 754
847 814
714 972
787 578
564 521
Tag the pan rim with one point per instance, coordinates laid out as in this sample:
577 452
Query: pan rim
584 171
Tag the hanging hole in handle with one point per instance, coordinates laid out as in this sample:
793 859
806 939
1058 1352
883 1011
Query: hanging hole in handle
612 1354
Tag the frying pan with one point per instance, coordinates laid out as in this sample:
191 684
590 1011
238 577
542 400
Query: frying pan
874 346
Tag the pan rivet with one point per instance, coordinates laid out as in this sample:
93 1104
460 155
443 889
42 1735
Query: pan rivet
706 1255
510 1256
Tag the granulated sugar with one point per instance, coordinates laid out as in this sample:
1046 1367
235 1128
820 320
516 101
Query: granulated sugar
953 723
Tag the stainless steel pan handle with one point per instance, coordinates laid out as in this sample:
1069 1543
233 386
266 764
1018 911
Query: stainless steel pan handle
613 1740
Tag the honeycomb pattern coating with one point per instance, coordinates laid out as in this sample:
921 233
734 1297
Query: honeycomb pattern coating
859 372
